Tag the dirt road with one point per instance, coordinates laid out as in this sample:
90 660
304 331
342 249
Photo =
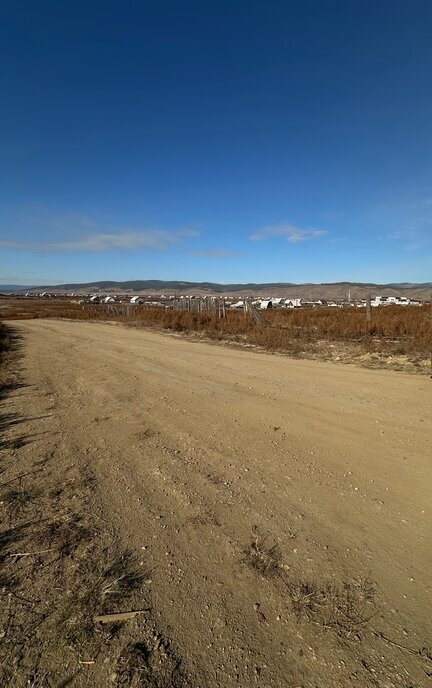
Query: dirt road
261 492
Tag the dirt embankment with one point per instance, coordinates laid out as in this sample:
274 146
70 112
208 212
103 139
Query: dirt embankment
269 517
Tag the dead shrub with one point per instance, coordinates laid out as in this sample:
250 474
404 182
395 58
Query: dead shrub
264 557
346 607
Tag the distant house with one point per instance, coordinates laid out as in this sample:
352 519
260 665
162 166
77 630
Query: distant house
239 304
380 301
266 304
136 299
402 301
293 303
390 300
95 299
108 299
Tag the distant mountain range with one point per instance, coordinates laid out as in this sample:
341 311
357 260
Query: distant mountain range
16 287
333 290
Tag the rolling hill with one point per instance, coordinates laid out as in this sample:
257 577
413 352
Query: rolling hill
335 290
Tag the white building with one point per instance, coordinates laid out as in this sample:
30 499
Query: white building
293 303
390 300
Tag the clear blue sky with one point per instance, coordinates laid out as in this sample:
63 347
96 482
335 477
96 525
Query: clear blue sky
224 141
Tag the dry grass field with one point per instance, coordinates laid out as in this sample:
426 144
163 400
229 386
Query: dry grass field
397 337
267 518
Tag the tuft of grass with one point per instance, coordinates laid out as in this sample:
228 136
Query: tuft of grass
106 579
263 556
346 607
120 576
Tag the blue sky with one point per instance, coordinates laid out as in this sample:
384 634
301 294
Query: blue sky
223 141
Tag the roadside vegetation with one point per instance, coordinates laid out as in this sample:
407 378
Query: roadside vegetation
7 349
5 342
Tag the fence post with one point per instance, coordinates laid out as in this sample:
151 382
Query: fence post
368 309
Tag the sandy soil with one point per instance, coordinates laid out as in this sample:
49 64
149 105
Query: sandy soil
281 507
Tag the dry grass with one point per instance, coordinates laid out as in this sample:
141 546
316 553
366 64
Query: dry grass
346 607
263 556
28 309
64 534
5 341
55 577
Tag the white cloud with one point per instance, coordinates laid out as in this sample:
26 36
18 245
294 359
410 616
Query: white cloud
290 232
89 237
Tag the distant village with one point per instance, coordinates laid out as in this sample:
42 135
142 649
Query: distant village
262 302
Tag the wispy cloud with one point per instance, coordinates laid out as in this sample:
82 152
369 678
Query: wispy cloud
414 234
415 246
333 215
215 253
289 232
82 235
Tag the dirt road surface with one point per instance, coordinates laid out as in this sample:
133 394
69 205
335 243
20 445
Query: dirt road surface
260 492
